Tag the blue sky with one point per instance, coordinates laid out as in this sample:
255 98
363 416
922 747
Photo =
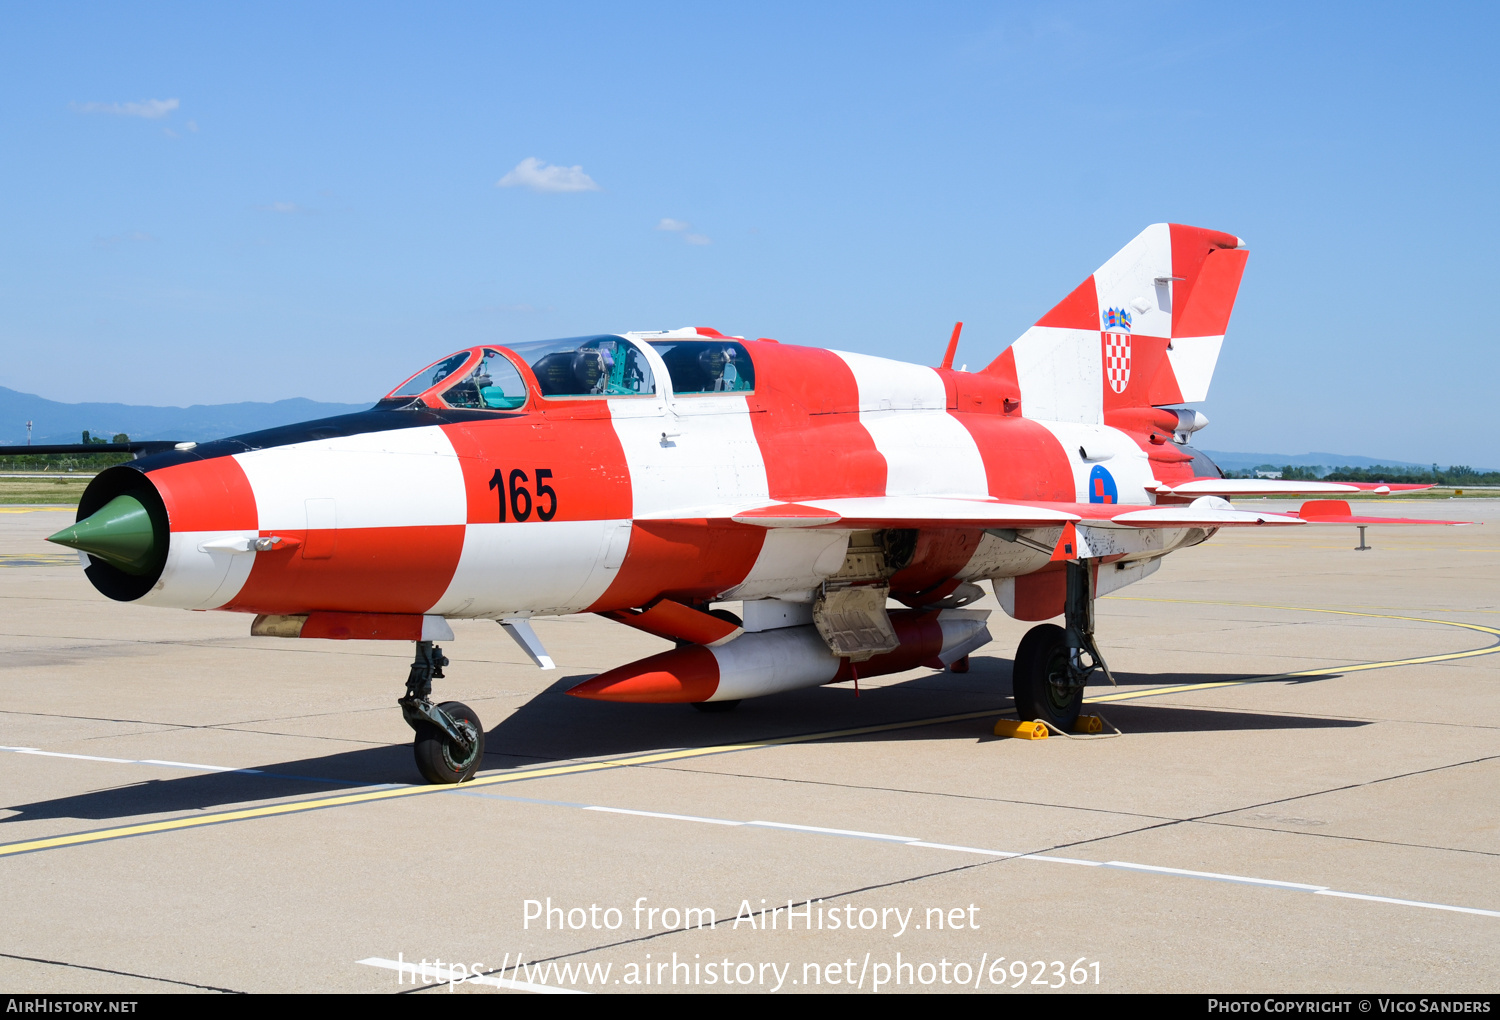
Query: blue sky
207 203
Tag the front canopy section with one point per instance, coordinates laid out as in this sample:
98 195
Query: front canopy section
512 377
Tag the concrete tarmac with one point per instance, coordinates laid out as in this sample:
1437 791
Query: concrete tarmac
188 808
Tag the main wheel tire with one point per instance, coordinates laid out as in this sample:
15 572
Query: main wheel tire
717 706
437 759
1039 679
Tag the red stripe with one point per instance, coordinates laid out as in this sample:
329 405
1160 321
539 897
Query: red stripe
371 570
1022 460
683 560
207 495
589 480
806 421
1079 310
681 675
1190 249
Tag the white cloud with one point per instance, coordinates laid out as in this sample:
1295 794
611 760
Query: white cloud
539 176
682 227
151 109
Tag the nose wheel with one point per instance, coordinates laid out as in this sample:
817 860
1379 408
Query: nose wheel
449 742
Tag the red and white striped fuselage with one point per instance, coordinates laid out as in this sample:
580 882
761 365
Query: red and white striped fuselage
611 503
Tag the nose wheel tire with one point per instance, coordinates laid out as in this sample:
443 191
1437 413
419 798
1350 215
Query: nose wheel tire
1040 682
439 759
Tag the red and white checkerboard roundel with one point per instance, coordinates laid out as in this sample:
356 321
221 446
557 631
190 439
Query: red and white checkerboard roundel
1117 360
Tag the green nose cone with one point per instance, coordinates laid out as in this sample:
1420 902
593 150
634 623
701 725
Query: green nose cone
119 533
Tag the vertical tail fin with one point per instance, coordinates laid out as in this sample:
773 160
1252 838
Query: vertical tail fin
1144 330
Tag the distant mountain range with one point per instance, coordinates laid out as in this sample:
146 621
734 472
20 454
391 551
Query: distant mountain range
1331 461
56 422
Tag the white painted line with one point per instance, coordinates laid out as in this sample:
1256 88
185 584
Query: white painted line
1408 903
963 849
1153 869
443 975
192 765
79 757
855 833
130 761
659 814
1060 860
1215 876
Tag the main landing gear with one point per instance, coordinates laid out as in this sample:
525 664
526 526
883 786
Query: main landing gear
1053 664
450 741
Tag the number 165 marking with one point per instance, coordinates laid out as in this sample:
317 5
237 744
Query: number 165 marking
513 488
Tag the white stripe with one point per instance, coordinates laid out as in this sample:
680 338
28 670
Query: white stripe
912 841
59 754
1125 461
555 567
444 975
904 408
659 814
963 849
128 761
792 560
1130 275
1128 866
1193 359
199 578
689 460
398 478
855 833
1408 903
1060 374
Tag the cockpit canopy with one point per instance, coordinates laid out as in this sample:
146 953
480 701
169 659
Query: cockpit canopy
574 368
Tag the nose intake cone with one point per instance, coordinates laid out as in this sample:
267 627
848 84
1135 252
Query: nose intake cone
120 533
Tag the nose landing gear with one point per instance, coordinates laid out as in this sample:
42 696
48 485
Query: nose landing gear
449 744
1053 664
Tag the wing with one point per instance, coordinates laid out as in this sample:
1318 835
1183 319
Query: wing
1338 511
1274 487
865 512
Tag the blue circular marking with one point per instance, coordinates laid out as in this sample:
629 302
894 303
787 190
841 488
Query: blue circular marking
1102 486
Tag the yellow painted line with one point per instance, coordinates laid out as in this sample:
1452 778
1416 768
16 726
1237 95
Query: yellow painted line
36 509
681 754
1320 671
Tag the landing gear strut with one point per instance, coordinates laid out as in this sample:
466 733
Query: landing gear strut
1053 664
450 740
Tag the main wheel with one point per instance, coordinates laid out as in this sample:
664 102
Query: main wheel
437 759
1039 678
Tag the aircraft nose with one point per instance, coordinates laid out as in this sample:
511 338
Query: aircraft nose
120 533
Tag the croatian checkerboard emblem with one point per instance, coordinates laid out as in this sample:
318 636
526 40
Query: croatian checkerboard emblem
1116 335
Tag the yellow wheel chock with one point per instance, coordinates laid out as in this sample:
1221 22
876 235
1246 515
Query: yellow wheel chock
1037 730
1029 730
